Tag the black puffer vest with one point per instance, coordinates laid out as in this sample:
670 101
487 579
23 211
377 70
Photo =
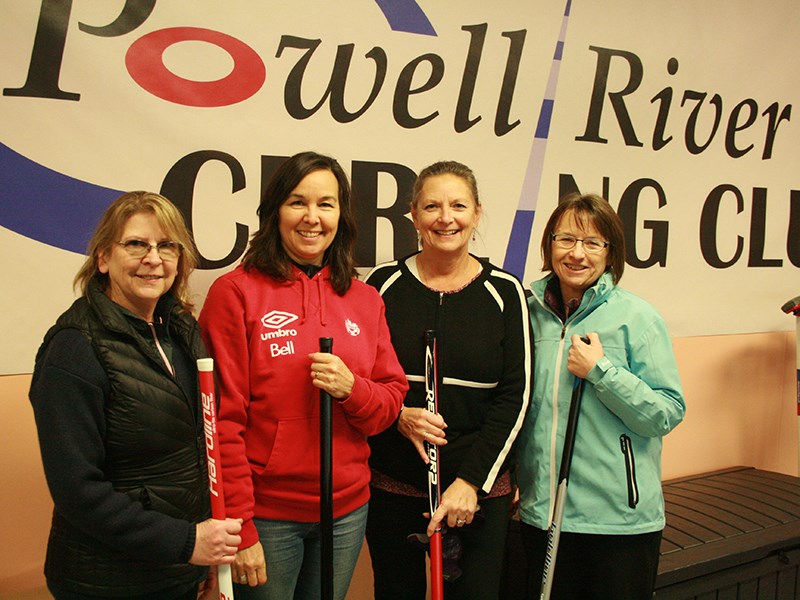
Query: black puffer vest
154 448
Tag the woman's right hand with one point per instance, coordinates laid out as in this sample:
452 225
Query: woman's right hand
216 542
250 567
420 425
583 356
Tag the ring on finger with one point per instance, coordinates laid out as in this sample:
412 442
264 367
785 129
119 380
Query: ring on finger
243 578
460 521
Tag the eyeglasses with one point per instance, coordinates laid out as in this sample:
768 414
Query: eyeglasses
167 250
590 245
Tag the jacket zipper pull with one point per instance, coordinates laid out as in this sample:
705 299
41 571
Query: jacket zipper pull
630 470
161 350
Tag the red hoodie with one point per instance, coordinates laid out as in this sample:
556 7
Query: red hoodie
260 332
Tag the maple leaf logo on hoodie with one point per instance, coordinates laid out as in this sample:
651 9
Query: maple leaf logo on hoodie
352 328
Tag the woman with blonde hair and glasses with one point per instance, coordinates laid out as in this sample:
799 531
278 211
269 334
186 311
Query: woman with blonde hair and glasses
114 394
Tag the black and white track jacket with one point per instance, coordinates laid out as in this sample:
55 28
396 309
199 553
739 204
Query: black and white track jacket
485 367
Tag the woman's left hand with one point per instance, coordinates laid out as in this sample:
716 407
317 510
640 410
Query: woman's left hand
459 504
420 425
329 373
582 356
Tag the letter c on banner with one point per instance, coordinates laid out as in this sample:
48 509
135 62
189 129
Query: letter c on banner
145 64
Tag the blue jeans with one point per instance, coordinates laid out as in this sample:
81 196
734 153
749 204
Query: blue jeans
292 552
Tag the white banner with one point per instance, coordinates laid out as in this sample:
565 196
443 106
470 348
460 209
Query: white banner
679 113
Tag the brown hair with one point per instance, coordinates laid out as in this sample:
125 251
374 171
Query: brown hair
446 167
110 228
266 252
589 209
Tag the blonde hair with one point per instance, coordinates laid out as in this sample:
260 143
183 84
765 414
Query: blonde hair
110 228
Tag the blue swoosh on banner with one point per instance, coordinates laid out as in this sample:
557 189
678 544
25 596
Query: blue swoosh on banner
520 237
48 206
62 211
406 15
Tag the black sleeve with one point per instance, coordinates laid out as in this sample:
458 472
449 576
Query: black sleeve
489 455
68 396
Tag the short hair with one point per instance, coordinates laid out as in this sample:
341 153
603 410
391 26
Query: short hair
589 209
110 228
446 167
266 252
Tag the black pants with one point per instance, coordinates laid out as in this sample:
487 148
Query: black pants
177 594
596 567
399 567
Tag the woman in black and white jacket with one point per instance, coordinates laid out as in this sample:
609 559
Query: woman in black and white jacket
483 337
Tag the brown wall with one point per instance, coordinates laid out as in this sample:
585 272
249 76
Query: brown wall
740 395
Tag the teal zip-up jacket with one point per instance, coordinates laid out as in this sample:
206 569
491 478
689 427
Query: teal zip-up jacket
632 398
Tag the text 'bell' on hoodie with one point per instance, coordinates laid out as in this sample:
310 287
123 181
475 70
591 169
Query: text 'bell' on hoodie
260 332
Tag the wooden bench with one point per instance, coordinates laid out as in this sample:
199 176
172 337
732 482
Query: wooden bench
731 534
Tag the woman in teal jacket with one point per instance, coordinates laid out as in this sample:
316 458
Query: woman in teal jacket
632 397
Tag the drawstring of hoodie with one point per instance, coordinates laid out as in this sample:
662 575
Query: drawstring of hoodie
320 283
313 277
304 281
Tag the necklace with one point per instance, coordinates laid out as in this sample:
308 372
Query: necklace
449 283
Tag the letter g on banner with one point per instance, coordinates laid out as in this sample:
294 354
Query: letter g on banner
145 63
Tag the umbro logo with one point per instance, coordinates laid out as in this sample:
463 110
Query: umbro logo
275 319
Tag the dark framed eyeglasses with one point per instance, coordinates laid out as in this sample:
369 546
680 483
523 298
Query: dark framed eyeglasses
167 250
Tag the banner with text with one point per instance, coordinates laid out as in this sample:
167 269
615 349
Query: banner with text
679 113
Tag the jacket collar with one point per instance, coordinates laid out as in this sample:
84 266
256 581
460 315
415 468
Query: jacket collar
409 266
113 316
592 297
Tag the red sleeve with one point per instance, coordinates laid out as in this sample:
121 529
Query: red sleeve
224 332
375 401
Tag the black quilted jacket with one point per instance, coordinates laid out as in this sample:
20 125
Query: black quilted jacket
122 447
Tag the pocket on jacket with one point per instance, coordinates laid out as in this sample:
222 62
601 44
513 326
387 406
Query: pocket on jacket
630 470
295 450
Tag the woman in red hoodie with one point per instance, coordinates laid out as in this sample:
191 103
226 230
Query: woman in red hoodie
262 323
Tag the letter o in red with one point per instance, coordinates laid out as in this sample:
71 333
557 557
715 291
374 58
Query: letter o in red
145 64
